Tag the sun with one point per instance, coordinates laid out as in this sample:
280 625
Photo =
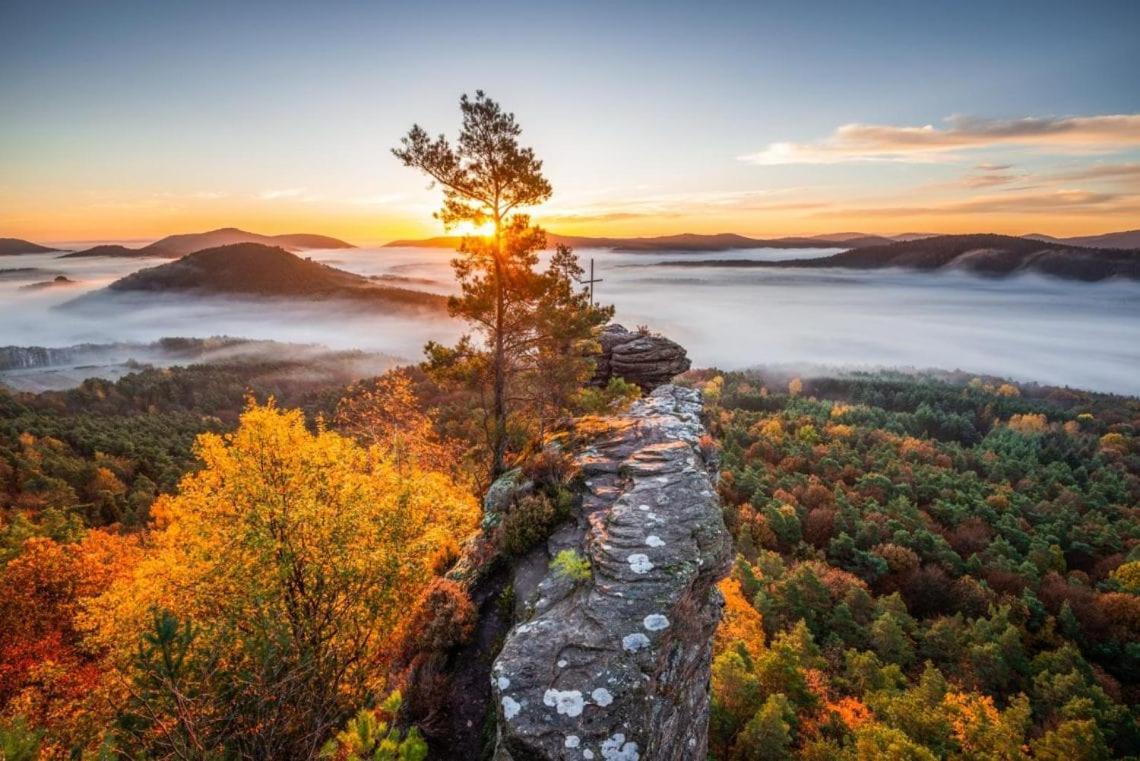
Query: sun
485 230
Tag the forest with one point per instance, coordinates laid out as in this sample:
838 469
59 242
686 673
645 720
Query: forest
270 559
927 568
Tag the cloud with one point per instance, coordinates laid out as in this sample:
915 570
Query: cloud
673 205
599 217
1121 172
1061 201
379 199
274 195
991 179
878 142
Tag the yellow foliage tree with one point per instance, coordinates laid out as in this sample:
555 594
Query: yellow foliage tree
390 415
289 546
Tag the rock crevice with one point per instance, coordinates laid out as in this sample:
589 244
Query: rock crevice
617 666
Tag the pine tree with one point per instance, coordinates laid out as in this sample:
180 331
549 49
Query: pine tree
532 324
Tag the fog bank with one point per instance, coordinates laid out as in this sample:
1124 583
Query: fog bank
1028 328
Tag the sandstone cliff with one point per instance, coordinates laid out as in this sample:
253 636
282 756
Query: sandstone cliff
617 666
643 358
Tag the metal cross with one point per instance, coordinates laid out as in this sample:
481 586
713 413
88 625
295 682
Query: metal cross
591 282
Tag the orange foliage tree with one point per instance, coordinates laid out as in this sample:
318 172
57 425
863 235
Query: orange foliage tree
46 675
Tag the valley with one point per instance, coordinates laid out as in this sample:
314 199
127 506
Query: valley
793 311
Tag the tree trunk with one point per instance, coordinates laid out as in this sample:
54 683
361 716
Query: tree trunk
499 442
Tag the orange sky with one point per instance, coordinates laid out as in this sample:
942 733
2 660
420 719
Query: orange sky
755 118
1109 201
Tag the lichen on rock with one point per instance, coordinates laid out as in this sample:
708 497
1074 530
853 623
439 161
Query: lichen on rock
618 667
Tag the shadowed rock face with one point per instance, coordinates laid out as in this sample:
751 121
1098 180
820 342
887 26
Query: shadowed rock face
647 360
617 667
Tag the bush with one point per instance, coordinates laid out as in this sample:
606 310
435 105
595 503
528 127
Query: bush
532 519
370 736
18 741
572 565
616 396
443 618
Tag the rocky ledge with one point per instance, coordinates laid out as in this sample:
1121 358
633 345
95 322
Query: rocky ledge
640 357
616 666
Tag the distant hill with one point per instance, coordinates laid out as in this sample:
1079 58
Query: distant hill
912 236
308 240
1128 239
16 246
174 246
683 242
59 281
107 250
25 273
840 237
995 255
253 269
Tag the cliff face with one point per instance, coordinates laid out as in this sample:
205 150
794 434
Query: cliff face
617 666
643 358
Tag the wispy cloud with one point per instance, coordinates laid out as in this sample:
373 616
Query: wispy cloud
1115 172
275 195
991 179
600 217
671 205
878 142
1028 202
379 199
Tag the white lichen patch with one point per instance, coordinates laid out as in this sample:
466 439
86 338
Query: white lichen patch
643 507
504 683
602 697
567 702
572 741
617 749
639 563
631 643
511 707
561 664
654 541
655 622
587 754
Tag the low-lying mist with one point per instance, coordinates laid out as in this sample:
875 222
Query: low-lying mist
1026 328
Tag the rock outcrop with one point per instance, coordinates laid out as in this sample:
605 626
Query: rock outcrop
617 666
643 358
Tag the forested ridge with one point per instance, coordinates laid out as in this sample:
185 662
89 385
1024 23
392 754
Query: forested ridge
926 569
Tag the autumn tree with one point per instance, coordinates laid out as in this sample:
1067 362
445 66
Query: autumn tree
274 590
532 324
47 676
389 414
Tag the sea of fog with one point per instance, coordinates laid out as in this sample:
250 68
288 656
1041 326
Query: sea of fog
1027 328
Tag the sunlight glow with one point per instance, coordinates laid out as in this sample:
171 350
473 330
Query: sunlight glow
485 230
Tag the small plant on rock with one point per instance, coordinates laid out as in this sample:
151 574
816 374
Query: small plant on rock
572 565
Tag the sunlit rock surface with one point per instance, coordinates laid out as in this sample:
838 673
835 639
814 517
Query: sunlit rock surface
617 667
643 358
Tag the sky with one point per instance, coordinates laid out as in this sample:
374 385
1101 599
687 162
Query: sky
133 120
